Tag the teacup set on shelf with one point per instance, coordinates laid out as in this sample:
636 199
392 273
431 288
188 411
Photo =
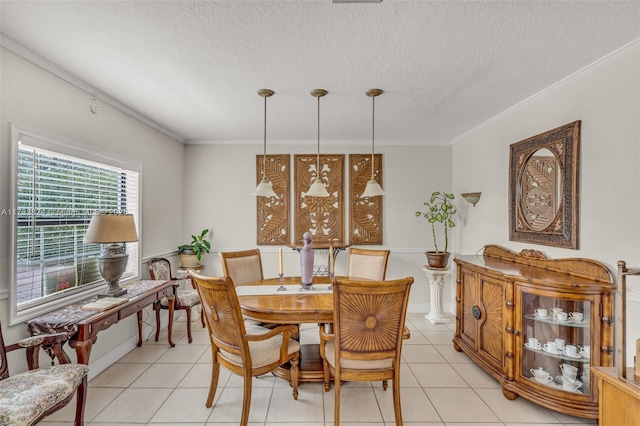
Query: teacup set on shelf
559 315
558 347
568 380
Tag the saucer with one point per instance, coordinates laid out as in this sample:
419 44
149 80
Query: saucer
526 345
576 356
557 352
568 320
585 354
539 317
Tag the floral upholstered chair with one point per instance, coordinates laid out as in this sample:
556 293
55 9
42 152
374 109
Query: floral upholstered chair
28 397
185 299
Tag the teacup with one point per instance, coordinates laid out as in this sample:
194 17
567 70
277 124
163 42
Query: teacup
540 375
559 344
550 347
541 313
570 376
562 316
571 385
571 351
555 311
533 343
576 316
585 351
567 368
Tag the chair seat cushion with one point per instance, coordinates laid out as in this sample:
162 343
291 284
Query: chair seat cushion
264 352
25 397
188 297
353 364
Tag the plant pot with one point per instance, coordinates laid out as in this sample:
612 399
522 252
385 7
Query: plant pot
437 259
188 260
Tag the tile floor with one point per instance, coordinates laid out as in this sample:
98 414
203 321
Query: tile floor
156 384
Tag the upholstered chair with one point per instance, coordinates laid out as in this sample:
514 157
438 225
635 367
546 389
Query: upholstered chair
366 263
29 397
242 266
185 299
366 343
248 351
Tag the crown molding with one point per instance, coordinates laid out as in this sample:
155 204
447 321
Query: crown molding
39 61
581 73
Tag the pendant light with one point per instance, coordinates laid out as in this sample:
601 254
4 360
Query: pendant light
264 188
318 189
373 188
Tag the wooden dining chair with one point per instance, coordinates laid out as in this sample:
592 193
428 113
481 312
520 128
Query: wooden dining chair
28 397
248 351
367 263
184 299
366 343
242 266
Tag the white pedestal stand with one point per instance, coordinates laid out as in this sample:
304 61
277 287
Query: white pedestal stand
436 277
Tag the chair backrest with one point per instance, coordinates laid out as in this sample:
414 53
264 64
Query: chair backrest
222 313
242 266
366 263
369 318
4 368
160 269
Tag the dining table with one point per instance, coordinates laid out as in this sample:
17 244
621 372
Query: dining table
275 302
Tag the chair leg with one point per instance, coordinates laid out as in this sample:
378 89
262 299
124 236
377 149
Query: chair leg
326 372
396 399
202 317
81 398
156 307
294 375
385 384
215 374
246 399
336 403
189 324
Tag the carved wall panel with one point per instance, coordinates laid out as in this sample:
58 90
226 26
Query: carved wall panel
323 217
273 213
365 225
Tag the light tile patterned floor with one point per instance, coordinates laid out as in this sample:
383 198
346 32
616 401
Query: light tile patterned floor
156 384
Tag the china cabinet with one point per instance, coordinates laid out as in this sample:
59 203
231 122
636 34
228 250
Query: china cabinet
536 324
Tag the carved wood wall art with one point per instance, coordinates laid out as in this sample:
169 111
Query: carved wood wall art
365 225
543 188
323 217
273 213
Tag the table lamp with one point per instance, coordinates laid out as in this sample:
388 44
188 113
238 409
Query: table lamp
112 230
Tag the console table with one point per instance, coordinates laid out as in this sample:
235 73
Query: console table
83 327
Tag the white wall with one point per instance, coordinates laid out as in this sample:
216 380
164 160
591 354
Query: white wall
219 180
606 98
37 99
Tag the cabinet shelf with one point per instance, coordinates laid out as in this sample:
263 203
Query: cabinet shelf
586 323
560 356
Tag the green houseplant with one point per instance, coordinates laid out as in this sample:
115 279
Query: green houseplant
191 254
439 210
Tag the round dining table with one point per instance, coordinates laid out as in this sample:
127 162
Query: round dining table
291 306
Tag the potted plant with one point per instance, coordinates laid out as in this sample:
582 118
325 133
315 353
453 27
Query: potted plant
191 254
439 210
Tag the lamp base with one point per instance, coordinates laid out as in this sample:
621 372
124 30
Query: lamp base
112 264
117 292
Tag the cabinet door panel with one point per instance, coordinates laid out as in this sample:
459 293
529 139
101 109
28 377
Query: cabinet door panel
469 326
491 325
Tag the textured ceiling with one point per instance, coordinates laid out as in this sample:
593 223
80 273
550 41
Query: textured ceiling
194 67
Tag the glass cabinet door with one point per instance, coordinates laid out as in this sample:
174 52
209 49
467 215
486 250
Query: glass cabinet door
555 336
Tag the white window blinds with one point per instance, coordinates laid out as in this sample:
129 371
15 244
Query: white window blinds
58 188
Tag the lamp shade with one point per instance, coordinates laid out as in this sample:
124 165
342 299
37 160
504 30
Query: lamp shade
472 197
373 189
111 228
317 189
265 189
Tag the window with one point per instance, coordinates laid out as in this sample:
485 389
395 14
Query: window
57 188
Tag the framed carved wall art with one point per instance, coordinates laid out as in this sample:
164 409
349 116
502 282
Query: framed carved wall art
543 188
273 212
365 225
322 216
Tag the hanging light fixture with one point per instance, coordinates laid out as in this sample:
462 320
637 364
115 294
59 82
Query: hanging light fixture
264 188
373 188
318 189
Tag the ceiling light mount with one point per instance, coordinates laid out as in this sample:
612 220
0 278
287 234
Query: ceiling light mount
373 188
318 189
265 188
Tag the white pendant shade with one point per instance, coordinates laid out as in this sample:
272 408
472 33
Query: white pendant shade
373 189
264 189
317 189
